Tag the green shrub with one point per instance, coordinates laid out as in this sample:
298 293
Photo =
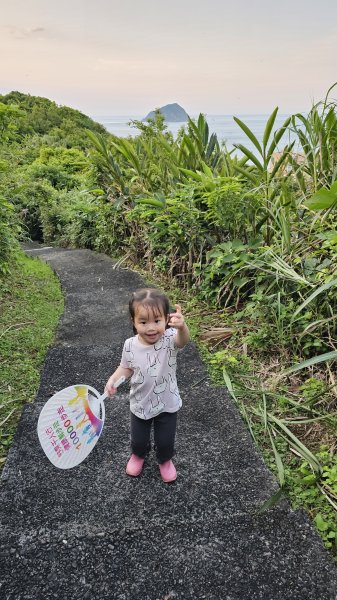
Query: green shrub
9 230
29 199
112 228
71 219
175 231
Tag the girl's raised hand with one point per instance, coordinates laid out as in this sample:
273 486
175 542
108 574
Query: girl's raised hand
176 319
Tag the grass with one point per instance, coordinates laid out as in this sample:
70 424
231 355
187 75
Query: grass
31 304
248 374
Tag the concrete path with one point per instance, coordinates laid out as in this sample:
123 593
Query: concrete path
94 532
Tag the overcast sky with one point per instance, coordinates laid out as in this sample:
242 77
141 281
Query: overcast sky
109 57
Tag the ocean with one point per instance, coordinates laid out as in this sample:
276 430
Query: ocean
224 126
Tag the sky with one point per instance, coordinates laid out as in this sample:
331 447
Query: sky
127 57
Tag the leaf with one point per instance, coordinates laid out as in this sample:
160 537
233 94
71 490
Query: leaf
333 188
186 141
313 420
277 136
268 128
281 160
249 134
322 199
213 142
311 361
309 479
217 333
302 449
228 383
250 155
97 191
127 150
274 499
203 129
320 523
192 174
246 173
206 169
330 235
318 291
151 202
278 460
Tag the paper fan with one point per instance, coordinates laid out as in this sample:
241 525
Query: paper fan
70 425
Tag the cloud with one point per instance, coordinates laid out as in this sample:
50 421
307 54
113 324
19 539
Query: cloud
23 33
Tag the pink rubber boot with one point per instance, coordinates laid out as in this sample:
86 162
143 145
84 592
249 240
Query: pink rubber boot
135 465
168 471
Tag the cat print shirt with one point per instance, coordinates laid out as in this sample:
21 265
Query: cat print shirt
153 383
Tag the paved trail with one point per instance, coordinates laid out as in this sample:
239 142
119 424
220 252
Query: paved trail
93 532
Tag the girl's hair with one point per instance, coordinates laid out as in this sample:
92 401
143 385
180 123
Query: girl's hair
150 298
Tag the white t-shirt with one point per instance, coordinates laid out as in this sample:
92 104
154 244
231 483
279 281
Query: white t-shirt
153 383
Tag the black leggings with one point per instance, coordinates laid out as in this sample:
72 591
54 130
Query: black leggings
164 426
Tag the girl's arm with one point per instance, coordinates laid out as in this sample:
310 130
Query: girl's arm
178 322
120 371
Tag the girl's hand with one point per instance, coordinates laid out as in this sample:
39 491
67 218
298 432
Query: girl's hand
109 388
176 319
119 376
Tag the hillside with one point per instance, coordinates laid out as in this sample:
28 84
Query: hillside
23 114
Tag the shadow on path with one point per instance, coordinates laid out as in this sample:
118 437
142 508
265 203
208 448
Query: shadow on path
94 532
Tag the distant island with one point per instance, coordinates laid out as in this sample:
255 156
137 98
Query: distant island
173 113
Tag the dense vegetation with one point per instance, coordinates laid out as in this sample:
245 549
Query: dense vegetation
248 237
31 303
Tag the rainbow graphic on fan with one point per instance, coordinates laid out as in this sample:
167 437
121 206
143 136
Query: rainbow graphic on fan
70 424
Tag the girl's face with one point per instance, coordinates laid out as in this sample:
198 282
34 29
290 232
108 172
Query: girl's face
150 325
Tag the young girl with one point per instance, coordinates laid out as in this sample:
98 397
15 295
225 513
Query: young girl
149 358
